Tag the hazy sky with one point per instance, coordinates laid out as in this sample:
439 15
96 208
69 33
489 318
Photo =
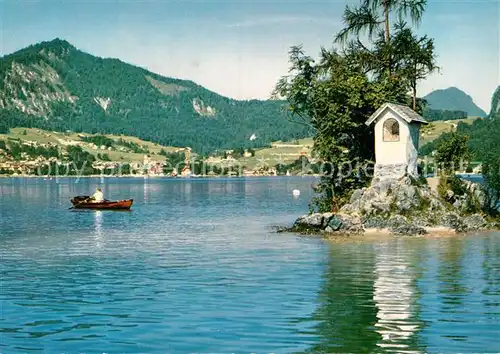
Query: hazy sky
239 48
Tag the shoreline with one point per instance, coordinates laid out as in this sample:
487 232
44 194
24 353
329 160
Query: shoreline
149 176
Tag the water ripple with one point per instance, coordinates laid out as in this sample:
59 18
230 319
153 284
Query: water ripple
194 268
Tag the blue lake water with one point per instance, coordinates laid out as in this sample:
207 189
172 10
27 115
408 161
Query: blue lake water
196 267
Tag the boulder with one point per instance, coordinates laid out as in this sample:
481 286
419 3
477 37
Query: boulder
375 222
453 221
310 221
358 193
335 223
474 222
406 197
350 223
399 225
326 219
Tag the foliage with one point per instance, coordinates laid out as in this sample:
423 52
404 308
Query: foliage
174 161
491 174
432 115
301 165
337 97
16 150
99 140
451 152
142 104
337 94
103 157
134 147
81 161
372 17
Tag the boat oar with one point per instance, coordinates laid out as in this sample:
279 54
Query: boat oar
83 201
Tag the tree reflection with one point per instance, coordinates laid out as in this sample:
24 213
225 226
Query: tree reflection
346 312
369 300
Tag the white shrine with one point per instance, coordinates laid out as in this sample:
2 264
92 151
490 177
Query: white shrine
397 130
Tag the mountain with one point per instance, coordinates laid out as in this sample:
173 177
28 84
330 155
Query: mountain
54 86
483 134
453 99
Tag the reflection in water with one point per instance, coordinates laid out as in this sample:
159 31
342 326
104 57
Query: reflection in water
395 298
207 276
346 311
145 187
98 228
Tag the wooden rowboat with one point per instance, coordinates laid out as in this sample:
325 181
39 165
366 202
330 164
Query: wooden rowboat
81 202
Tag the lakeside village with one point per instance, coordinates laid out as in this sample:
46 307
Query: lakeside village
70 157
158 164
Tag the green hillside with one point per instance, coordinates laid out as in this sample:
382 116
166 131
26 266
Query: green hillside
484 134
453 99
54 86
119 148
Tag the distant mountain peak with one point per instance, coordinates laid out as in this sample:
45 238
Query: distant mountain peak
453 99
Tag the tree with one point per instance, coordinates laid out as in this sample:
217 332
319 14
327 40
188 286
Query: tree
491 175
337 97
373 16
452 152
413 56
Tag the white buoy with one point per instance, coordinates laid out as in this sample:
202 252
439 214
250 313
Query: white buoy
296 192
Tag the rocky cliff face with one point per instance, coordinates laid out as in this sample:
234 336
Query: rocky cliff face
402 207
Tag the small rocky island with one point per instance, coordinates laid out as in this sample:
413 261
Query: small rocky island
398 201
402 207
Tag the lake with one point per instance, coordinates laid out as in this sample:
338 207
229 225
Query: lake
195 266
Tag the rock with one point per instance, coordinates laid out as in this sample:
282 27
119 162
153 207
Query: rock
369 195
406 181
396 220
382 187
474 222
329 229
409 230
435 204
399 225
449 194
383 207
406 197
453 221
335 223
375 222
326 219
351 223
311 221
358 193
421 221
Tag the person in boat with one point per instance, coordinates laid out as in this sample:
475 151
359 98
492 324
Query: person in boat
98 196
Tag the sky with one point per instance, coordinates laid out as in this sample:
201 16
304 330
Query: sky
239 48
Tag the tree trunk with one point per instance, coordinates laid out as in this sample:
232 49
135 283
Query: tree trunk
387 34
387 25
414 91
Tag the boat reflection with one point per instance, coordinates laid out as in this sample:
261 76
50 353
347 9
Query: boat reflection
98 228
